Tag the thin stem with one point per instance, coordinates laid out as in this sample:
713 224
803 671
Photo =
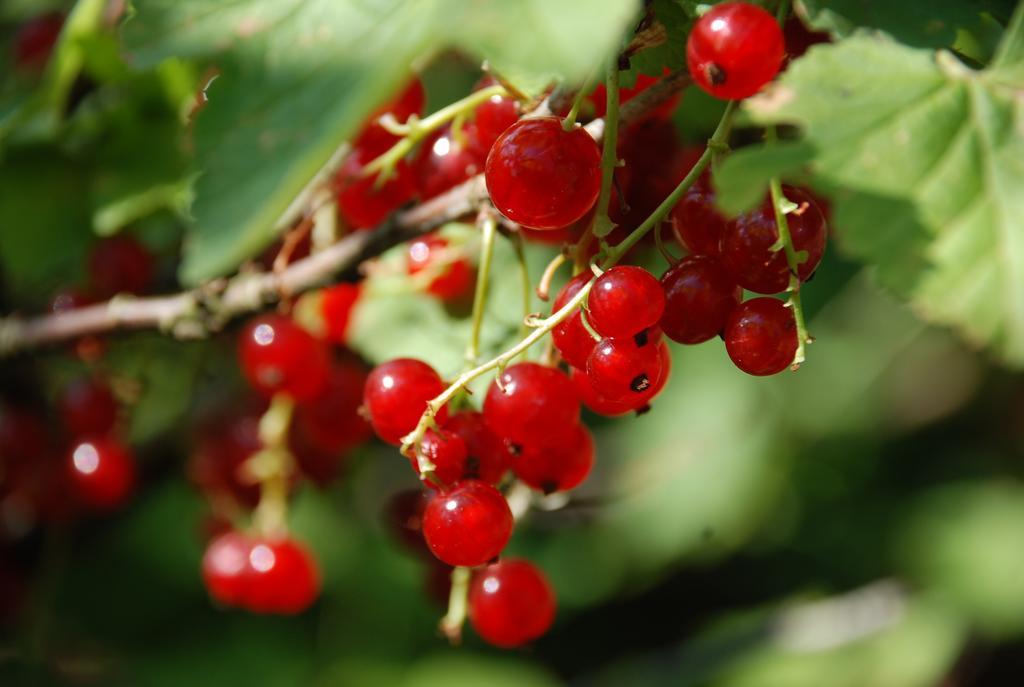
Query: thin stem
718 141
418 129
488 227
272 465
609 151
659 241
544 286
452 622
570 119
782 11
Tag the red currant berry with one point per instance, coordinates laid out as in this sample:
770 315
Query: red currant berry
331 420
225 568
102 472
444 162
697 223
734 49
283 577
625 300
35 40
222 447
375 138
336 305
447 451
431 254
532 402
486 457
699 295
511 603
278 355
760 336
594 401
360 203
570 336
396 396
87 406
404 515
626 368
468 524
559 464
748 241
119 264
542 176
490 120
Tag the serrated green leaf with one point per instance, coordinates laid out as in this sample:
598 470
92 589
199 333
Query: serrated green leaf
742 180
298 78
928 159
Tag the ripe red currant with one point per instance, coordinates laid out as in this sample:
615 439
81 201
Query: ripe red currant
626 369
486 456
570 336
511 603
542 176
336 305
490 120
360 203
375 138
278 355
396 396
87 406
697 223
433 255
331 420
749 239
102 472
447 451
625 300
734 49
35 40
119 264
558 464
532 402
594 401
225 568
222 447
283 577
468 524
760 336
444 161
699 295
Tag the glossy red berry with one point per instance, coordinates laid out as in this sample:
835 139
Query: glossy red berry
88 406
490 120
468 524
283 577
697 223
699 295
409 101
444 161
486 456
433 255
331 420
760 336
626 369
102 472
35 40
447 451
532 402
734 49
542 176
361 204
511 603
594 401
748 241
277 355
336 305
119 264
396 396
225 568
223 446
570 336
625 300
558 464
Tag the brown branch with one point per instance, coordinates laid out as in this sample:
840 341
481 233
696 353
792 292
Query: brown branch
206 309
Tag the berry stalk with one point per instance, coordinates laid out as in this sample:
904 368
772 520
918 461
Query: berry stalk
272 465
488 227
452 622
609 150
792 259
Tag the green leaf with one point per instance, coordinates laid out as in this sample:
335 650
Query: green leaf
298 78
742 180
671 54
925 159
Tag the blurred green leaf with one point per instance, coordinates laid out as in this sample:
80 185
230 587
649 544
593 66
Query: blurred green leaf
926 165
741 182
671 54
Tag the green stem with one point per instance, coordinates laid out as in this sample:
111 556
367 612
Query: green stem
718 140
452 622
609 150
782 11
274 466
488 227
417 130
